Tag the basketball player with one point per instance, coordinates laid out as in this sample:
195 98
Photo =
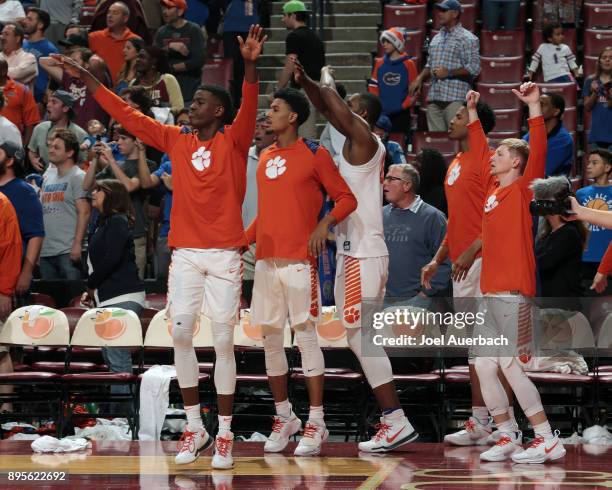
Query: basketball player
508 282
291 176
465 195
362 259
209 180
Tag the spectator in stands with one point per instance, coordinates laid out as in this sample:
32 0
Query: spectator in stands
557 58
506 11
127 173
108 43
395 154
25 200
22 66
65 210
95 131
239 16
263 138
152 74
19 104
8 130
453 64
75 37
60 115
596 196
85 107
11 11
137 22
413 233
560 149
34 25
184 43
391 78
113 280
596 93
62 14
303 43
432 171
127 74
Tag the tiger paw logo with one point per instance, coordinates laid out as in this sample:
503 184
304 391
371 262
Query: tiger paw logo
352 315
275 167
200 159
524 356
454 174
110 324
253 332
331 328
491 203
37 322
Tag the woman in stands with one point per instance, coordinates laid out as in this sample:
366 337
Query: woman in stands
127 75
596 92
113 280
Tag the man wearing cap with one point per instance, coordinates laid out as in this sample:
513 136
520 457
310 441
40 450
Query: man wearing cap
452 65
108 43
75 39
60 113
22 65
184 42
395 154
303 43
8 130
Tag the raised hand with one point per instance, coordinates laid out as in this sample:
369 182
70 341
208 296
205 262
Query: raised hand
528 93
252 46
298 70
472 98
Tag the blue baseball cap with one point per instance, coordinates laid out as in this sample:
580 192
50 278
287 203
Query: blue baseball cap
384 123
449 5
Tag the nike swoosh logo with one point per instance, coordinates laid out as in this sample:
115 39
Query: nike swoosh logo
231 271
547 450
300 270
391 439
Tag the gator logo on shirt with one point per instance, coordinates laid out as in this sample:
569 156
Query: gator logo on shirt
275 167
491 203
200 159
454 174
391 79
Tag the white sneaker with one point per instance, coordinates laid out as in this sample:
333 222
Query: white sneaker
389 437
504 448
540 451
473 434
222 459
494 437
191 444
310 444
282 430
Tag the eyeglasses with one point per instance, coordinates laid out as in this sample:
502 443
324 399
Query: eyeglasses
389 178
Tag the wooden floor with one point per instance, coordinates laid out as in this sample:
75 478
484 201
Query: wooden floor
150 466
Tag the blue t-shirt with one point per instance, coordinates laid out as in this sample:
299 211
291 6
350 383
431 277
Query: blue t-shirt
197 12
41 48
601 115
394 149
240 15
28 207
166 166
598 197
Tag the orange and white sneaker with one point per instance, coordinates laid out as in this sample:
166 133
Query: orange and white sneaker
314 437
222 458
540 451
282 429
191 445
504 448
388 437
473 434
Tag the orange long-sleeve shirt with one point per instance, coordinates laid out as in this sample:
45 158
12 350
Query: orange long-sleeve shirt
605 266
11 248
208 177
508 260
290 184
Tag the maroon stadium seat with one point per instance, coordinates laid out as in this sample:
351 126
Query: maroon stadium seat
468 17
502 69
438 140
595 40
502 43
499 95
218 72
42 299
156 301
586 120
496 137
566 90
410 16
87 15
570 39
590 65
399 138
597 15
508 119
570 119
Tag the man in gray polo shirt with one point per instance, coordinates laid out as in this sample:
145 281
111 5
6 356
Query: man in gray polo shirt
413 233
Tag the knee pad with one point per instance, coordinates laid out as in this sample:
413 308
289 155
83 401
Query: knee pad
185 359
182 331
377 369
225 362
312 356
525 391
494 395
276 360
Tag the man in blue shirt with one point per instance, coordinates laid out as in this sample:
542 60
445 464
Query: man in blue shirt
35 24
560 144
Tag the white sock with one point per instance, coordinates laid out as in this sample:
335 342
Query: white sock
316 415
508 427
543 430
395 417
511 413
481 414
194 419
225 425
283 409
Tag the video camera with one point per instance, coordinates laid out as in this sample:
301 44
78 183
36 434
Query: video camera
551 196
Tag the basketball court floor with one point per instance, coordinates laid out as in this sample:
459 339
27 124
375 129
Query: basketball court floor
150 466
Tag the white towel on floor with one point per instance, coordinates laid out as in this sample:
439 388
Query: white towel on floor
48 444
154 390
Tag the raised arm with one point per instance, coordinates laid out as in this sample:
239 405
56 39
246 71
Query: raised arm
529 93
477 141
52 68
594 216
